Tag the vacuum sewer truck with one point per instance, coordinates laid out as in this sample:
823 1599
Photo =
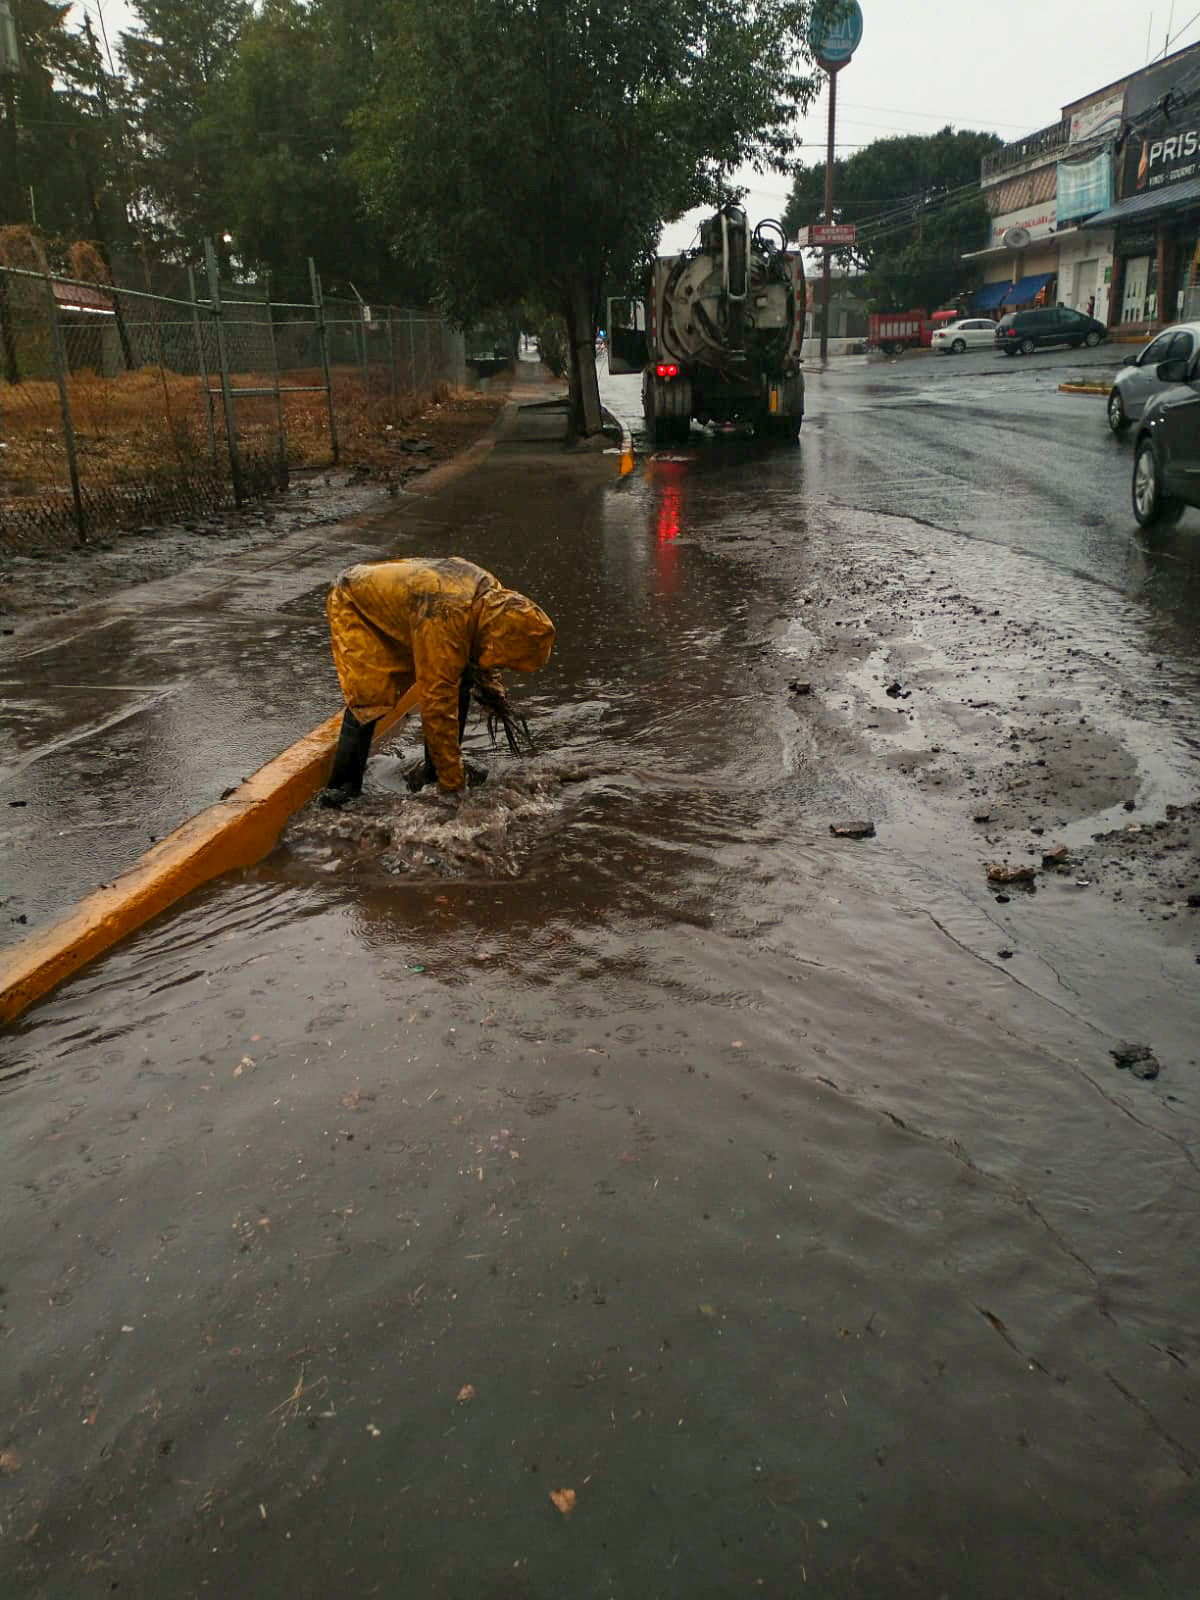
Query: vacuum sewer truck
718 337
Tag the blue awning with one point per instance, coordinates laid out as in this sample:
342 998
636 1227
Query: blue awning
989 296
1023 291
1136 207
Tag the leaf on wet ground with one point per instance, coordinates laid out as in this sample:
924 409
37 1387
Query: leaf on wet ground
350 1099
564 1500
467 1392
243 1065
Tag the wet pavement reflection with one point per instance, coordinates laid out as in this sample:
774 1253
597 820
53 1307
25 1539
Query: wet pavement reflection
621 1130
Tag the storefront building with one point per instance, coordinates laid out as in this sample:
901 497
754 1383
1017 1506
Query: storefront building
1156 219
1040 190
1018 263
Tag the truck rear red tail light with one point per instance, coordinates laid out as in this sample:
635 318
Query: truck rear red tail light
665 371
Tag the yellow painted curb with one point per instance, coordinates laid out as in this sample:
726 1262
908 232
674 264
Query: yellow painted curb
1082 388
236 832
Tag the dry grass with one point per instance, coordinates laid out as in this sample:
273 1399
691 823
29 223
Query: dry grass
149 425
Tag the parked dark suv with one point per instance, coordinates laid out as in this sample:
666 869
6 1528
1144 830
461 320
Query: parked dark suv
1023 332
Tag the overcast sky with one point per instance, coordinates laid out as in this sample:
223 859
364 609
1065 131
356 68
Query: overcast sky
930 62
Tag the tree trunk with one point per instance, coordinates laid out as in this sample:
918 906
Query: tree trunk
586 417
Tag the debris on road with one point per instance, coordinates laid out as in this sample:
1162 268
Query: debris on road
860 829
1003 872
1057 856
799 686
1139 1058
564 1500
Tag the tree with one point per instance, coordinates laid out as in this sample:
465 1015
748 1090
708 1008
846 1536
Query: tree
533 148
174 63
918 206
293 79
52 151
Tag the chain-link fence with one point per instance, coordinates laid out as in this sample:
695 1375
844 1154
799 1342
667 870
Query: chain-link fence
120 408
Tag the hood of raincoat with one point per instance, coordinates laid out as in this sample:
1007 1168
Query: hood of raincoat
512 632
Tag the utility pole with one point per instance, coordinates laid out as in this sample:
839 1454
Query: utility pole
10 66
825 272
834 33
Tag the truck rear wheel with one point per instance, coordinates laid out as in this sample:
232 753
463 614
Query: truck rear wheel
650 424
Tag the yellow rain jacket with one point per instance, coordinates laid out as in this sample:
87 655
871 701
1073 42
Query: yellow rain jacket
422 621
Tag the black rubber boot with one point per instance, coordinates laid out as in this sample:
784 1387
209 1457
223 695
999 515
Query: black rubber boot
349 762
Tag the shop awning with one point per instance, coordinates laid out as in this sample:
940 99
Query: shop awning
1021 292
990 296
1137 206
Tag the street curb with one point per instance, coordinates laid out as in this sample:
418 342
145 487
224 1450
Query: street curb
626 462
238 831
446 471
1082 388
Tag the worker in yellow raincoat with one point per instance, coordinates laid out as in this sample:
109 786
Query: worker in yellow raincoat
446 626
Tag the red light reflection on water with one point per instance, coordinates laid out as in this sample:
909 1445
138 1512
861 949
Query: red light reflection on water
669 507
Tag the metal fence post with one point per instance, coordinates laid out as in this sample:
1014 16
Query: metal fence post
391 365
323 346
214 295
361 341
60 374
281 437
203 364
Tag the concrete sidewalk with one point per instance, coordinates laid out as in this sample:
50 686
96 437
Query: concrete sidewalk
130 715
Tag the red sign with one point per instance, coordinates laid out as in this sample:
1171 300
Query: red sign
832 233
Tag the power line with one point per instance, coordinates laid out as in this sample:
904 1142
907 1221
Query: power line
1180 32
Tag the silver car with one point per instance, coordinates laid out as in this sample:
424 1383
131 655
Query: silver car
1138 382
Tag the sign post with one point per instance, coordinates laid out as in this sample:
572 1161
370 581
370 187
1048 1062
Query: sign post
834 34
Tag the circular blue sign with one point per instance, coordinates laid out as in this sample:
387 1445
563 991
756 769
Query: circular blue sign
835 32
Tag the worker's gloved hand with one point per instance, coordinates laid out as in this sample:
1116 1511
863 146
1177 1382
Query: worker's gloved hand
475 775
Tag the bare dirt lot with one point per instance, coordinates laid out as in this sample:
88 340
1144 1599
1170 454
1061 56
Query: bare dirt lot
377 459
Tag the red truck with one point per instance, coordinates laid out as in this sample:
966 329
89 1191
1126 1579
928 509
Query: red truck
896 331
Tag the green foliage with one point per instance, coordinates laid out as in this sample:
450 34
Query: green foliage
175 63
918 206
511 142
533 148
53 136
291 83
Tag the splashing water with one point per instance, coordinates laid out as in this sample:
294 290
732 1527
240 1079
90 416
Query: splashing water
489 831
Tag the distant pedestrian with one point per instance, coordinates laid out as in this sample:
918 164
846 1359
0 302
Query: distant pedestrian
1091 305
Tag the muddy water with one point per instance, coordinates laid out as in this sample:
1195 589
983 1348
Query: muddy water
618 1131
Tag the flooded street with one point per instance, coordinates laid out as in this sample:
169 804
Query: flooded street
623 1131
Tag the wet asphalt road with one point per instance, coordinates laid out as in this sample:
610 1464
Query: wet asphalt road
624 1132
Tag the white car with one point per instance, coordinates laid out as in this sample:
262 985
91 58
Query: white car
968 333
1137 382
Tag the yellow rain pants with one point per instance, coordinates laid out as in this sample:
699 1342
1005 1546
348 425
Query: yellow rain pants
423 621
